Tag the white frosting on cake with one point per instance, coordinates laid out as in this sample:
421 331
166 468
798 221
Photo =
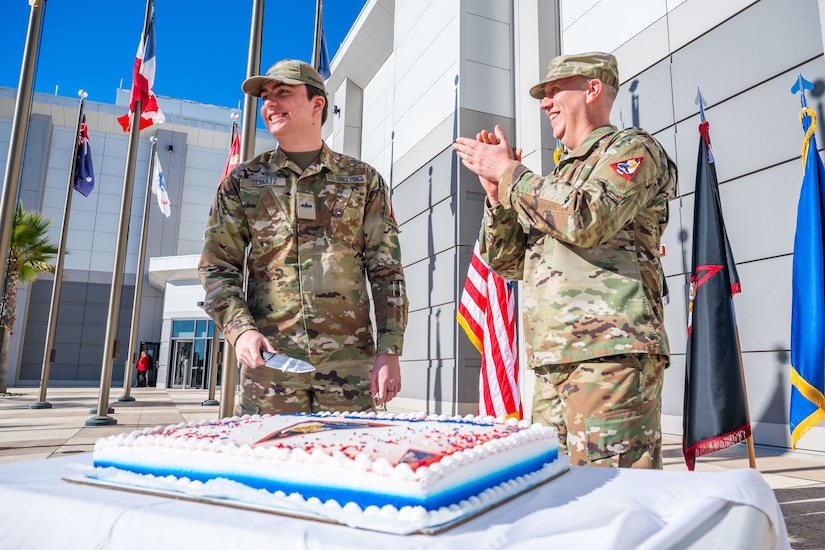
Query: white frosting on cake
378 471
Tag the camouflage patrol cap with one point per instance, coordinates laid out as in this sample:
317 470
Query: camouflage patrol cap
598 65
288 71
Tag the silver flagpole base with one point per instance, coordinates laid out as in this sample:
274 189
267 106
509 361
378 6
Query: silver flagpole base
40 405
93 410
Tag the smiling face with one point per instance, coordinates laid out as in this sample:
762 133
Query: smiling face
291 116
565 102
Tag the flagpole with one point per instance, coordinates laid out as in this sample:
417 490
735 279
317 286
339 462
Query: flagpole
109 344
49 351
250 112
213 370
19 126
751 451
131 356
316 44
233 131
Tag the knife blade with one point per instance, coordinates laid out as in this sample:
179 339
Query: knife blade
285 363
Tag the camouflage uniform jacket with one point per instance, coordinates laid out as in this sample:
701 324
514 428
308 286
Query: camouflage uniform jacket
585 240
318 238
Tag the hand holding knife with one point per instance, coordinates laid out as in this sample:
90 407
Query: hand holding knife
285 363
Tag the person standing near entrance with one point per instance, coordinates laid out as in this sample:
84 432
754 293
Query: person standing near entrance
585 241
143 365
322 246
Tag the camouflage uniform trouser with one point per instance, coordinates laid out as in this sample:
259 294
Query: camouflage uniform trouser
608 411
334 386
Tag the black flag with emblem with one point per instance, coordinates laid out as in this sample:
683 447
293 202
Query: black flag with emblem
715 408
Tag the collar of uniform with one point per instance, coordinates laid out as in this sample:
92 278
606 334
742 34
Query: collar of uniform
325 159
590 142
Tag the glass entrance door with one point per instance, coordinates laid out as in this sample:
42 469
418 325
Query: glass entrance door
190 359
181 361
199 374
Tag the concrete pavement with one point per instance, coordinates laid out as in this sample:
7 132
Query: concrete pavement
798 479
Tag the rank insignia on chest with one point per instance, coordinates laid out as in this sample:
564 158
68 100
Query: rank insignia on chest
628 167
306 206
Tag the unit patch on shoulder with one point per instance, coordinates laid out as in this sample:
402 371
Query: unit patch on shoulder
628 167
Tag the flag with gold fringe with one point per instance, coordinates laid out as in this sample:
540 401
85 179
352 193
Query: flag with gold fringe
808 304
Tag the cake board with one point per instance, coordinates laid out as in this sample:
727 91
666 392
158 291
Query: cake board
294 511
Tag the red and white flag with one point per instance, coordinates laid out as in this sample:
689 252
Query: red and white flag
143 79
487 314
234 157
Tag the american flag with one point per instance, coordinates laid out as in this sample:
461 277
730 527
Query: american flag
487 314
143 79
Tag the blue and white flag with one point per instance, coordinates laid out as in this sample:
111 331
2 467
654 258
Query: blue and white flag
159 188
808 302
320 54
323 62
84 174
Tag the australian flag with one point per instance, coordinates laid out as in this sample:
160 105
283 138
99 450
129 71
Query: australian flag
84 175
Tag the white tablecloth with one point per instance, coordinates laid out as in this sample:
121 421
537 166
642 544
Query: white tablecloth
584 508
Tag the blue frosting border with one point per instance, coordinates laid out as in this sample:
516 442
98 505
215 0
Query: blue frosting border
360 497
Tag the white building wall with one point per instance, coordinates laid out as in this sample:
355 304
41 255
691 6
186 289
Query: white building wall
203 168
377 147
426 57
604 25
486 58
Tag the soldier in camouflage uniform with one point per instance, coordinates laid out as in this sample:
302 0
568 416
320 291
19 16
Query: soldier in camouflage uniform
585 241
320 231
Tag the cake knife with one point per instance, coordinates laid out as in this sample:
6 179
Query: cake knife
285 363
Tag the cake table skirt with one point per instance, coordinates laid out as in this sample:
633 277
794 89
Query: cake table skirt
606 508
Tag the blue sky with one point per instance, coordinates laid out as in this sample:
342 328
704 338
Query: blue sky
202 45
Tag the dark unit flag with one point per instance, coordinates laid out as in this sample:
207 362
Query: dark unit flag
715 408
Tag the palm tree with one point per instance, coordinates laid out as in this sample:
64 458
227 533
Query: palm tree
29 253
